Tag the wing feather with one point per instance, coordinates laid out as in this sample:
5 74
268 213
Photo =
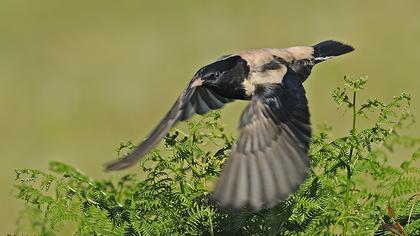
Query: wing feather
194 100
273 145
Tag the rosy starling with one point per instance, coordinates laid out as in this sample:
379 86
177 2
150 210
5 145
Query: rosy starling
269 160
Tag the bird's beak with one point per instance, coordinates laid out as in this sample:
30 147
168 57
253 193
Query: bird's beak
197 83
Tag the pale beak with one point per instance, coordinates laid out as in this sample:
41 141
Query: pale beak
197 83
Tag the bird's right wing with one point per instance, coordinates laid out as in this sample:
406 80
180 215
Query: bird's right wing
194 100
269 160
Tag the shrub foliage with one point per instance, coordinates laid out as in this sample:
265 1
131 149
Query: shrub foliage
351 189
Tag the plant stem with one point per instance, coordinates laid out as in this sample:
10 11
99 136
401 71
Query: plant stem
181 182
349 168
354 112
211 226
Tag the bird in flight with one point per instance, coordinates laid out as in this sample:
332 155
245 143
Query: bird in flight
269 160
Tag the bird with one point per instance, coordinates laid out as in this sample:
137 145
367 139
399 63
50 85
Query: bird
269 160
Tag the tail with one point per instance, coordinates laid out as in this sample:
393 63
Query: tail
328 49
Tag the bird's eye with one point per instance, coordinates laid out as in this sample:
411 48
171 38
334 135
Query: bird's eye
216 74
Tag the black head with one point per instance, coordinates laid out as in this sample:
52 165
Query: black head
225 76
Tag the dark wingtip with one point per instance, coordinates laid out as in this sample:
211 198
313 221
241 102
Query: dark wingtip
113 165
120 164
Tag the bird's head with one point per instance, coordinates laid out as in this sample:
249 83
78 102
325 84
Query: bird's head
222 73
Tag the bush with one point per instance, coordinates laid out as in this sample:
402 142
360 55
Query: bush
351 189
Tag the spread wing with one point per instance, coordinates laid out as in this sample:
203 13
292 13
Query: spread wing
269 160
194 100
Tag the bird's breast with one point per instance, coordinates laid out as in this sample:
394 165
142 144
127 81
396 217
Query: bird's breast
267 76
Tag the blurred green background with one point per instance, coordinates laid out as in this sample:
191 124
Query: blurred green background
77 77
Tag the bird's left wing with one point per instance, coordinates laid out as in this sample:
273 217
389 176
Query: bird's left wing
269 160
193 100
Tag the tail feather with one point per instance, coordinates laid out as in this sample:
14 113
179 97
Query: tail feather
328 49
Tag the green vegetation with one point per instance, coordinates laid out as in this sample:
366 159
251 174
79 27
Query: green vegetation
351 189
